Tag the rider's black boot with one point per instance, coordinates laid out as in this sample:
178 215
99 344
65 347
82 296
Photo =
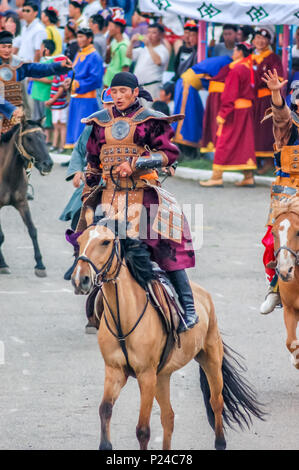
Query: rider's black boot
180 282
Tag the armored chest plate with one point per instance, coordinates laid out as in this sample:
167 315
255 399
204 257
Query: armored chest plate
120 130
6 74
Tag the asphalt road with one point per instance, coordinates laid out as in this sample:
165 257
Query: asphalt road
51 375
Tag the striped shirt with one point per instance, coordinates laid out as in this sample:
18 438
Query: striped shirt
56 84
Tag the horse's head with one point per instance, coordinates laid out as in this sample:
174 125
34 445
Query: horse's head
286 238
99 254
32 146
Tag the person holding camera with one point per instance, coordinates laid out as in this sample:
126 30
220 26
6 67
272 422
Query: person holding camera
151 60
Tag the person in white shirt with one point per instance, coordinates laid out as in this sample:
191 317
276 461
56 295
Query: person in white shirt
92 8
32 35
151 60
295 48
76 13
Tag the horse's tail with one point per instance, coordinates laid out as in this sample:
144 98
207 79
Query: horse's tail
240 402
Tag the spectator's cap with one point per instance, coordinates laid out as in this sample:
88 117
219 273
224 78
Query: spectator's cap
264 32
118 16
6 37
106 13
168 87
32 4
86 32
130 80
191 26
106 96
71 25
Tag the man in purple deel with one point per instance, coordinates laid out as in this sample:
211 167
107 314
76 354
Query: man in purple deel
127 147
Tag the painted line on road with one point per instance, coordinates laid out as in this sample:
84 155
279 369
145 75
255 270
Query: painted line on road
21 292
17 340
57 291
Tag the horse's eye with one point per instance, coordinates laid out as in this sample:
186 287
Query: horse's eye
297 234
105 242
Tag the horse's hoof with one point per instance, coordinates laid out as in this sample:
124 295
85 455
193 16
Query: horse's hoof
105 446
40 272
220 444
5 270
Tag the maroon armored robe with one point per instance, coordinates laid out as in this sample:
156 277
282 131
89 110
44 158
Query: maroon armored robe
155 134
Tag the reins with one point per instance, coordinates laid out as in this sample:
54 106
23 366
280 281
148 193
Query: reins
100 279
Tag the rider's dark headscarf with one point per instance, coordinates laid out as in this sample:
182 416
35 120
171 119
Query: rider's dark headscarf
130 80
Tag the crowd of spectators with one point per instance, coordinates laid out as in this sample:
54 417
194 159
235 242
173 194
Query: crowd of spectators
121 38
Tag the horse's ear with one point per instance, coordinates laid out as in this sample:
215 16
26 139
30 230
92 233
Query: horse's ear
89 215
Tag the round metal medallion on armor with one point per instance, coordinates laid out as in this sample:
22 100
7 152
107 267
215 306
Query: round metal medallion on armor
120 130
6 74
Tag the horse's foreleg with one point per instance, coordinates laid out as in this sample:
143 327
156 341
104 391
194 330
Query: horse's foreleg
24 211
211 362
147 384
167 414
115 379
292 342
3 266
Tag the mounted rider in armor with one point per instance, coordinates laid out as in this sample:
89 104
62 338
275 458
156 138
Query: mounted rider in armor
127 146
286 159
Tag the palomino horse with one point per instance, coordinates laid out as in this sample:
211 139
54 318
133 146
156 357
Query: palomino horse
23 145
286 246
130 318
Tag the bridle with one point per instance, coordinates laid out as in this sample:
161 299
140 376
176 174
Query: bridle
101 278
294 253
285 247
30 159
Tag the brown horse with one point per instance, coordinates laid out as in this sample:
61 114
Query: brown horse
21 147
286 245
124 268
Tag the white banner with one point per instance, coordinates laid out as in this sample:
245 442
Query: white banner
220 11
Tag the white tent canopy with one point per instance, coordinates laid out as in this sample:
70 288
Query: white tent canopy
266 12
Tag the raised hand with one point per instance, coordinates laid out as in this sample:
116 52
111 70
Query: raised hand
272 81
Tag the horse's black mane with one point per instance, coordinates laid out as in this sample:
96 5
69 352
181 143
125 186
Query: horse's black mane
134 251
8 135
137 257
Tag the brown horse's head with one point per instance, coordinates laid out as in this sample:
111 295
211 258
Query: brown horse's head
286 238
99 255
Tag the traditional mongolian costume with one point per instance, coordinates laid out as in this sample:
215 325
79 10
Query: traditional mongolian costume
88 73
210 126
188 102
286 160
235 137
142 137
263 134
